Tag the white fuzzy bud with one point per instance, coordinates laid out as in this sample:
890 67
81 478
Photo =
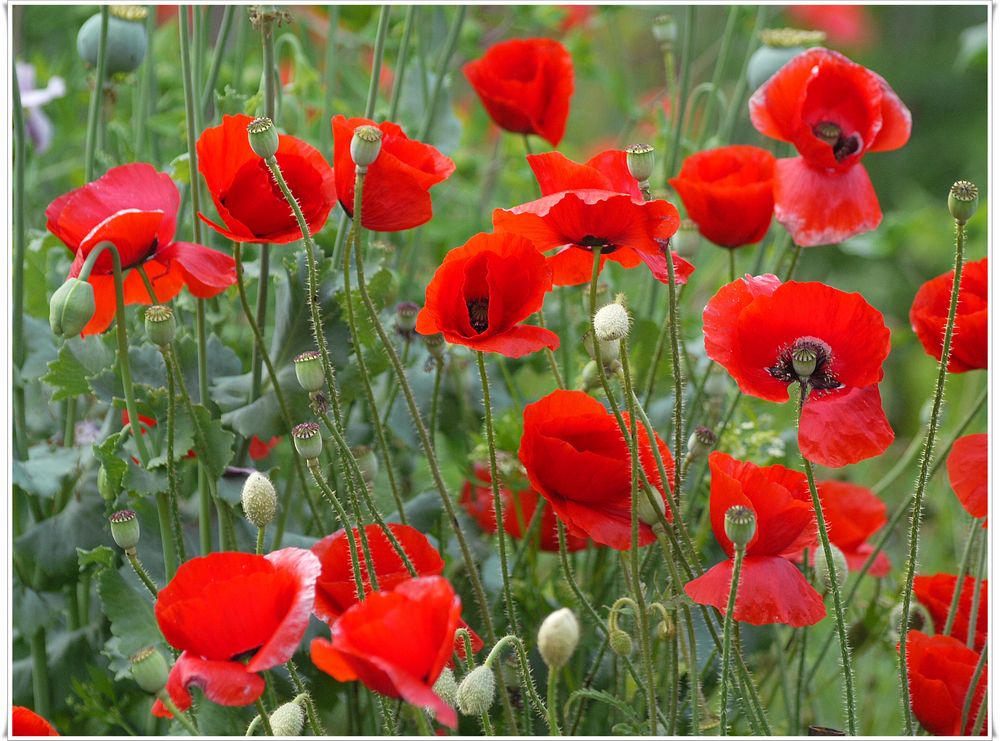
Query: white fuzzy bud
611 323
823 571
288 720
446 687
259 499
475 693
557 638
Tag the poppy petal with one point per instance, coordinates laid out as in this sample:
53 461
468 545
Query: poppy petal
305 568
223 682
844 427
207 272
968 463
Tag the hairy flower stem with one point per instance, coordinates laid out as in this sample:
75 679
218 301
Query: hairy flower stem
331 496
173 492
978 564
838 605
182 718
970 694
970 548
924 475
551 700
314 722
265 720
497 502
551 356
727 639
17 270
435 398
140 571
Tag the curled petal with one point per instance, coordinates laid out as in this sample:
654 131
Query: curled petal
844 427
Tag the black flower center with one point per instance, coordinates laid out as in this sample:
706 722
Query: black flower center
479 313
843 146
602 242
800 356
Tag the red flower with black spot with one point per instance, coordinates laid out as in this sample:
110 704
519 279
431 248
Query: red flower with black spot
834 111
968 465
245 194
760 329
936 593
483 291
941 670
771 588
594 206
577 458
396 642
518 511
135 208
853 514
397 185
728 193
929 315
25 722
224 605
525 85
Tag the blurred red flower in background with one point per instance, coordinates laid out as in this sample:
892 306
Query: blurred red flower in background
754 325
245 194
135 208
25 722
771 588
929 316
834 111
260 449
936 594
844 25
941 670
525 85
968 466
728 193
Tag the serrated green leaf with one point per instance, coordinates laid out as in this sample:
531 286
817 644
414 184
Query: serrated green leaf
39 348
102 556
78 360
107 453
52 543
45 469
214 446
130 613
142 482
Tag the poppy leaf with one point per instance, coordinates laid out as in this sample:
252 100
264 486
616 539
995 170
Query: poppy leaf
138 480
114 465
79 360
46 468
215 448
51 544
131 616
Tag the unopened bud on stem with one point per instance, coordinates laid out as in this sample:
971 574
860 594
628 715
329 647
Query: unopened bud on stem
475 693
557 637
611 323
824 574
288 719
260 501
71 307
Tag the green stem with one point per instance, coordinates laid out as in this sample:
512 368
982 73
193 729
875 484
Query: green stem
677 372
796 251
720 65
924 476
970 639
259 550
401 59
838 605
164 697
265 720
450 45
435 398
141 572
725 131
967 552
727 638
800 686
17 276
330 67
166 535
40 672
551 698
314 722
94 112
174 486
682 94
549 355
213 73
331 496
380 35
970 695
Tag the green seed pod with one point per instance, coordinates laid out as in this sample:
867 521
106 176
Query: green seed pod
687 240
665 30
125 529
366 144
963 200
780 45
804 362
104 485
446 687
126 45
161 327
740 524
406 318
824 575
71 307
309 371
263 136
557 637
308 440
288 719
620 642
640 159
260 501
701 442
149 670
476 692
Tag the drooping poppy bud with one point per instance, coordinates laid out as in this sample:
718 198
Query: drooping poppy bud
446 687
125 529
824 574
161 327
367 462
620 642
557 638
476 692
149 670
71 308
263 137
288 719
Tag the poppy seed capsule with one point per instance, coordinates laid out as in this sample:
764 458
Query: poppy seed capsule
161 327
665 30
149 670
963 200
366 144
779 46
804 362
824 574
260 500
406 317
126 43
557 637
620 642
475 693
263 136
446 687
435 345
71 308
611 323
308 440
125 529
640 159
920 618
309 371
701 442
288 720
741 524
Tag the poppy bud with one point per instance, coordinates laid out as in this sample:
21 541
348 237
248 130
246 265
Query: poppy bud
161 327
126 43
609 350
125 529
640 159
104 485
406 318
648 513
687 240
260 501
823 572
665 29
149 670
308 440
963 200
611 323
591 378
701 442
288 720
804 362
741 524
367 462
435 345
665 629
446 687
620 642
920 618
780 46
557 637
365 146
309 370
263 136
71 307
475 693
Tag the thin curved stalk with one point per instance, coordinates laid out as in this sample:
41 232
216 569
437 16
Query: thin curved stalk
17 272
380 34
450 45
225 27
94 111
401 59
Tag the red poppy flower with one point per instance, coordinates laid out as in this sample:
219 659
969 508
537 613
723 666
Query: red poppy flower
483 290
754 325
844 25
834 111
260 449
929 315
853 514
135 208
936 593
26 722
518 511
397 186
968 463
771 588
594 205
728 193
248 200
226 604
941 670
576 457
396 642
525 85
